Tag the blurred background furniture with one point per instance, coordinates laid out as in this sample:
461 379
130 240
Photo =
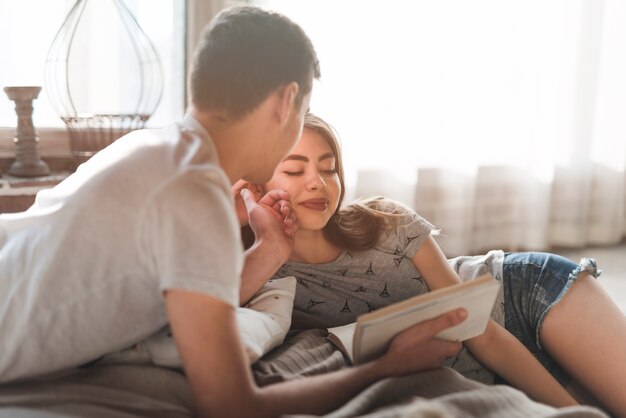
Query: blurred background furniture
18 194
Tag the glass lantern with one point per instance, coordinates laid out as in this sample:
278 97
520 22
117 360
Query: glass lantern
102 74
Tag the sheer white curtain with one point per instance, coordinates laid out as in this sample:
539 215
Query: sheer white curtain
502 122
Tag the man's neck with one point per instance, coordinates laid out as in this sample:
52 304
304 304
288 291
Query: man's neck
229 139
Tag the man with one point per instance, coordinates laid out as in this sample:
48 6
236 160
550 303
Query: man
146 232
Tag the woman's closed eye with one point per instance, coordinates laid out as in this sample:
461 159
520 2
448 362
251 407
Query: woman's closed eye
326 172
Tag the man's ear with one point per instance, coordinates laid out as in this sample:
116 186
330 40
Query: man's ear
286 100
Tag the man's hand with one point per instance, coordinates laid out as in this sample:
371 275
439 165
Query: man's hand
240 207
417 348
272 220
274 225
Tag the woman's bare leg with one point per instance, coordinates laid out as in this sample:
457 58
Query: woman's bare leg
586 334
582 395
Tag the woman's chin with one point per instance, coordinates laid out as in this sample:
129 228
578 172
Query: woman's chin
311 225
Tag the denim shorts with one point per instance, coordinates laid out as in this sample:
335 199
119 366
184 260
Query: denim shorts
533 283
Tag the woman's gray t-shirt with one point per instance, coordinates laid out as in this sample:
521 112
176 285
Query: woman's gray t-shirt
357 282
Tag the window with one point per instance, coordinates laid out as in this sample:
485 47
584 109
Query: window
437 82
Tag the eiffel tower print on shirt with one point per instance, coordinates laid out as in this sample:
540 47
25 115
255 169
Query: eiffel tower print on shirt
384 293
314 303
409 239
346 308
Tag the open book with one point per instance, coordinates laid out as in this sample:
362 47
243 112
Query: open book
370 336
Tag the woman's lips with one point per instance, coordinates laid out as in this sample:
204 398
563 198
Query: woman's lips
315 204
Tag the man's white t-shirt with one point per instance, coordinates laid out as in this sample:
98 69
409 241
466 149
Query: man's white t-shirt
82 272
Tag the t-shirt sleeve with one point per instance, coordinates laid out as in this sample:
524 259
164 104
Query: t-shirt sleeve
410 232
192 233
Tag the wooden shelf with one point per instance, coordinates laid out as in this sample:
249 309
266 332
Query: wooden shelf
18 193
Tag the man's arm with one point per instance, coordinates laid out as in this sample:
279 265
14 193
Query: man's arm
274 224
221 382
261 261
212 354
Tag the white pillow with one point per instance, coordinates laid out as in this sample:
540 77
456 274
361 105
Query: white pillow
265 320
263 324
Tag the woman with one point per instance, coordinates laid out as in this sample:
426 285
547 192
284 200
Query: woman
554 328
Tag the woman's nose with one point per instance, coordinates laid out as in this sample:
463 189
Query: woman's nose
316 182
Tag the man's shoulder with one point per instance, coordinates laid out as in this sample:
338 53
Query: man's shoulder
172 146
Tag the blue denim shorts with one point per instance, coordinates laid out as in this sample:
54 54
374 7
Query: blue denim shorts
533 283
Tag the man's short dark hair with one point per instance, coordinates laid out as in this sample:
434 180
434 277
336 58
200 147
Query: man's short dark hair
245 53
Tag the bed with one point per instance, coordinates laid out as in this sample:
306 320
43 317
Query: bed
146 380
138 388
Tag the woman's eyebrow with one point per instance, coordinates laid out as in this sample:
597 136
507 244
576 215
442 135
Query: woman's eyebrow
304 158
296 157
326 156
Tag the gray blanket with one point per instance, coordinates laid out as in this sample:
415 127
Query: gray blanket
139 389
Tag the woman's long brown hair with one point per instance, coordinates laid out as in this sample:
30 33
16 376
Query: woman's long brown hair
357 226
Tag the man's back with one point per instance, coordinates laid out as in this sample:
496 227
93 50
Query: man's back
75 265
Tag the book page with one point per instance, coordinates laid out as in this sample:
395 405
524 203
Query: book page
342 337
374 331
